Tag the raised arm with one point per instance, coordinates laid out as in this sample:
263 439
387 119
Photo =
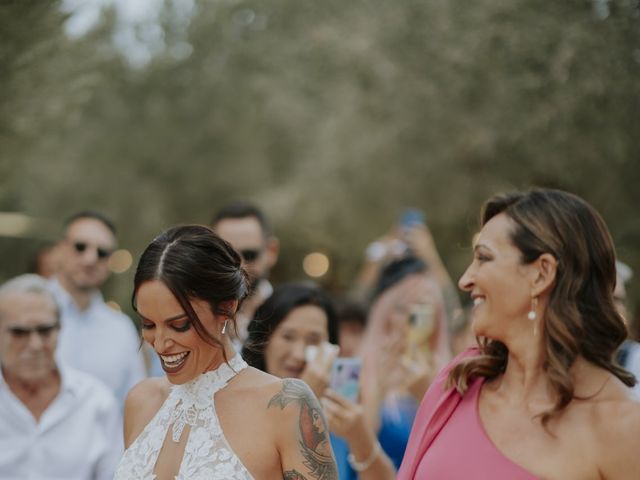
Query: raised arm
304 445
347 419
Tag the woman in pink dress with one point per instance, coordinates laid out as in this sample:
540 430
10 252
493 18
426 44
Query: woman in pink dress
541 398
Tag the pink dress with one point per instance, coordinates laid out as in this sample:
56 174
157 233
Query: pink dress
448 441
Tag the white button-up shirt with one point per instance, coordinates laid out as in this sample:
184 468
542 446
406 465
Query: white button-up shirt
78 437
99 341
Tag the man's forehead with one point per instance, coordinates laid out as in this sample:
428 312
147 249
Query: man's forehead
241 233
26 307
90 229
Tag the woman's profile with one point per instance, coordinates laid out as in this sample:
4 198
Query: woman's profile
541 397
212 417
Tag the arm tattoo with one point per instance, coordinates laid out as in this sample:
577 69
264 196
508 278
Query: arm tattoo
313 430
293 475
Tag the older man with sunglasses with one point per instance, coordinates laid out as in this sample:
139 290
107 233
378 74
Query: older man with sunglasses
55 422
94 337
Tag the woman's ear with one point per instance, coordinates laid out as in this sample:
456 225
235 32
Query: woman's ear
545 269
229 306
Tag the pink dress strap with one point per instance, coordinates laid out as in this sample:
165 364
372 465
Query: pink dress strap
435 409
448 440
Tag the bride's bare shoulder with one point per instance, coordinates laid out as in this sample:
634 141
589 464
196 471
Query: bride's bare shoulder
261 388
258 383
143 402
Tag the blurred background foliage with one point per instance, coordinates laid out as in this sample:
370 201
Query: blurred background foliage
332 115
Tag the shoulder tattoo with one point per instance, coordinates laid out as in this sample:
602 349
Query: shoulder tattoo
313 431
293 475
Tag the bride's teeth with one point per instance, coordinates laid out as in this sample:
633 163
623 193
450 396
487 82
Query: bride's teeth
173 358
477 301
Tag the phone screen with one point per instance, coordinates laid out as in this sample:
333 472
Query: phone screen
412 217
345 376
421 325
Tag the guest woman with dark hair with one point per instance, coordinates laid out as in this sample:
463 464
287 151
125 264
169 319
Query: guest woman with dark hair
297 319
212 416
541 396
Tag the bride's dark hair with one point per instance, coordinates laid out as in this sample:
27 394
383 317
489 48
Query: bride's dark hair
194 263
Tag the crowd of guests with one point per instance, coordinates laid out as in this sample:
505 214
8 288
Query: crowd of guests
539 350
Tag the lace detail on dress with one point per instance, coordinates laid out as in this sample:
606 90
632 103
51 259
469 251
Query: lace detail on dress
207 454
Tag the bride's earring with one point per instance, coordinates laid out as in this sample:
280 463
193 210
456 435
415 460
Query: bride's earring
224 327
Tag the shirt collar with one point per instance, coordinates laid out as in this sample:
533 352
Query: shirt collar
67 384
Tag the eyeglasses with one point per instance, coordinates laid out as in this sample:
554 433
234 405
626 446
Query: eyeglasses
101 252
44 331
251 254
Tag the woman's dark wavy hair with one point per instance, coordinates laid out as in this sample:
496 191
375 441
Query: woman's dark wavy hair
581 318
195 264
275 309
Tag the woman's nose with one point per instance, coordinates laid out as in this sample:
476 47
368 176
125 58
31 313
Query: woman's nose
298 349
466 280
161 341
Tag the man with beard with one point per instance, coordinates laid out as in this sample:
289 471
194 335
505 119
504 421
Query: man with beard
94 337
55 421
247 229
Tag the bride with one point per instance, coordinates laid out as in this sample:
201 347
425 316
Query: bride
212 416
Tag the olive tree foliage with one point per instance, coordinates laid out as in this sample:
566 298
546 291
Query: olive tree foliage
331 115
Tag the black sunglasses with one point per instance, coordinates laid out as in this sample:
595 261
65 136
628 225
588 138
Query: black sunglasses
44 330
102 253
250 255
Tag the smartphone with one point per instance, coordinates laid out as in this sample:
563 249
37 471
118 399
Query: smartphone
411 217
421 325
345 377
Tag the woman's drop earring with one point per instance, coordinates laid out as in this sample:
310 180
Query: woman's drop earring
224 327
532 313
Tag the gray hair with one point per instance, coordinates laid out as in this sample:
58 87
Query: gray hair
29 283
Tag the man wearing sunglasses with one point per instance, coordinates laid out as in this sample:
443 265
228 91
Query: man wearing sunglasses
247 229
94 337
55 422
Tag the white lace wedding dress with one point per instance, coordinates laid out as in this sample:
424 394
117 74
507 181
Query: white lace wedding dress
207 453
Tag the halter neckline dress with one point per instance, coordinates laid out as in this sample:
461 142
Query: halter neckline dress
207 453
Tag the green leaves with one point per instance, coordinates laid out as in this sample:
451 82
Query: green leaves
332 115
